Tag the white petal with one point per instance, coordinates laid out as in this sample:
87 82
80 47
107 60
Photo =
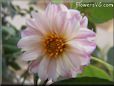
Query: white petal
34 65
81 51
64 66
28 32
63 7
75 14
56 13
85 60
29 42
51 12
71 28
60 66
60 22
53 9
85 33
41 22
75 71
73 44
47 69
84 22
30 55
83 57
86 38
52 72
74 59
43 68
31 23
85 42
33 26
86 45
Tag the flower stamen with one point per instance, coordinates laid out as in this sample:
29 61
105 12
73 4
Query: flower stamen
54 45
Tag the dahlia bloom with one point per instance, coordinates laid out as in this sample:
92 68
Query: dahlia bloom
57 42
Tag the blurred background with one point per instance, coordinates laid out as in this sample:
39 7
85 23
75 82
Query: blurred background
13 16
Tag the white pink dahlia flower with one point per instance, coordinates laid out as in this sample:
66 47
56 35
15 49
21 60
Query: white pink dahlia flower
57 42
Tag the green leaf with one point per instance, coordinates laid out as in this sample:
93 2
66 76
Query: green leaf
9 30
91 26
14 65
97 52
32 2
57 1
93 71
35 79
11 41
110 56
10 49
108 66
82 80
98 14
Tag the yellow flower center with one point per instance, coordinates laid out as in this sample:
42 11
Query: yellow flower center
54 45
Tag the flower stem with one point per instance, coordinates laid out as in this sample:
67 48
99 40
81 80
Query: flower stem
24 76
35 79
45 82
108 66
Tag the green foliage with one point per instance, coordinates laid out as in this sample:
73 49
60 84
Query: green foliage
83 81
32 1
57 1
97 52
98 72
91 26
36 78
104 66
10 50
9 30
110 56
93 71
97 14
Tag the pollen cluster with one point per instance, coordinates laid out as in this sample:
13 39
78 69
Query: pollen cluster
54 45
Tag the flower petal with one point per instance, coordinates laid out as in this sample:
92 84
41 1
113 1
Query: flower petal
41 22
88 46
28 32
84 40
30 55
53 9
52 72
81 56
34 65
74 59
71 28
29 42
51 12
75 14
85 60
64 66
63 7
84 22
55 12
80 52
47 69
34 27
85 33
61 18
42 70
